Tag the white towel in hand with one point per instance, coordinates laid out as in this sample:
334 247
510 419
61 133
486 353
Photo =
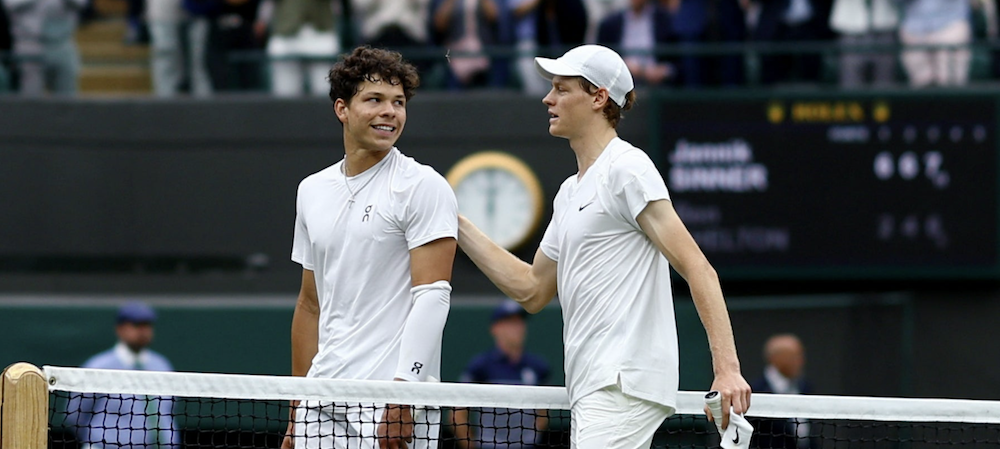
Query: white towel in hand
737 435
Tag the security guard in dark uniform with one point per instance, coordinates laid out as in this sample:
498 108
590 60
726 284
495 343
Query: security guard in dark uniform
506 363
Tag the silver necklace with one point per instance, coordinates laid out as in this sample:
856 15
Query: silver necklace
353 193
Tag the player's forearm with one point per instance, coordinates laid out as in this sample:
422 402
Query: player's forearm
706 292
460 421
423 330
542 421
511 275
305 338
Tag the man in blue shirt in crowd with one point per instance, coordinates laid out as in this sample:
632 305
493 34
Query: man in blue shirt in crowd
104 421
506 363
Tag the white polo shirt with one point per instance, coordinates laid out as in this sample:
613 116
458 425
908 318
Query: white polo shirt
614 285
360 256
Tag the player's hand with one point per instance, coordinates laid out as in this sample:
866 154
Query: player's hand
396 428
260 29
656 73
288 442
735 392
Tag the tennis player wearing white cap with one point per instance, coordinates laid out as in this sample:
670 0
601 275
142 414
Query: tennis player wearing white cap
607 252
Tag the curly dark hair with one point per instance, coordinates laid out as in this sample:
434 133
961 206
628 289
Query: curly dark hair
372 64
612 111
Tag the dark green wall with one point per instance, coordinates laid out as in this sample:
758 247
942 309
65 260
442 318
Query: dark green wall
235 339
252 335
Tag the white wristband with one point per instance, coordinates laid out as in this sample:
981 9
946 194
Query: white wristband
421 339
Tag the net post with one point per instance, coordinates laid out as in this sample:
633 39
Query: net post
24 400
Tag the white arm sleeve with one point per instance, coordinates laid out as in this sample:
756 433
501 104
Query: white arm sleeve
422 333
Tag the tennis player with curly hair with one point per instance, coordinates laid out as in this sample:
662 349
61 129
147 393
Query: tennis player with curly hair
375 235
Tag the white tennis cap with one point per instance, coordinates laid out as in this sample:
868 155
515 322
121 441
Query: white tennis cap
598 64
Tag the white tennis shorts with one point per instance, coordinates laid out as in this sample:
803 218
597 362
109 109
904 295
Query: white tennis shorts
323 425
611 419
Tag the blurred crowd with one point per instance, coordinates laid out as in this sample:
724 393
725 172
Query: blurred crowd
198 47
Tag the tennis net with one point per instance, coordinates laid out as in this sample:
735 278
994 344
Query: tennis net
109 409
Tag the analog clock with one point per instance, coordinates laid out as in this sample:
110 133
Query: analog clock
500 194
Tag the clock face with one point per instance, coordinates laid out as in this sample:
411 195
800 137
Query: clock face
498 203
500 195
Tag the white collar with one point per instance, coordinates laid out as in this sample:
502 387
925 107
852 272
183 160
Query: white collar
129 358
780 383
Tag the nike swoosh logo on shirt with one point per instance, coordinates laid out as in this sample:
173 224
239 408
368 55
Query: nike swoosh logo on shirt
737 439
585 205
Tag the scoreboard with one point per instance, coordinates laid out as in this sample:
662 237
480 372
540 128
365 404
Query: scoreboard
901 186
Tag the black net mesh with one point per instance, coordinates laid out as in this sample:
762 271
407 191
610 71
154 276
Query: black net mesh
820 433
136 421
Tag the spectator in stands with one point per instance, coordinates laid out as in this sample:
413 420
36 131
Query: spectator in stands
930 23
785 357
103 421
46 54
561 24
689 26
790 21
200 14
729 25
635 32
503 40
137 30
598 10
507 363
465 28
399 25
164 19
862 23
988 11
986 27
169 20
230 33
521 23
5 47
302 45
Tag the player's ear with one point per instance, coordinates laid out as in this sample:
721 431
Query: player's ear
601 99
340 108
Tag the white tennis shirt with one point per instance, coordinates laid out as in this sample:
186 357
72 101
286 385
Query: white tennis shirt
360 256
614 285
